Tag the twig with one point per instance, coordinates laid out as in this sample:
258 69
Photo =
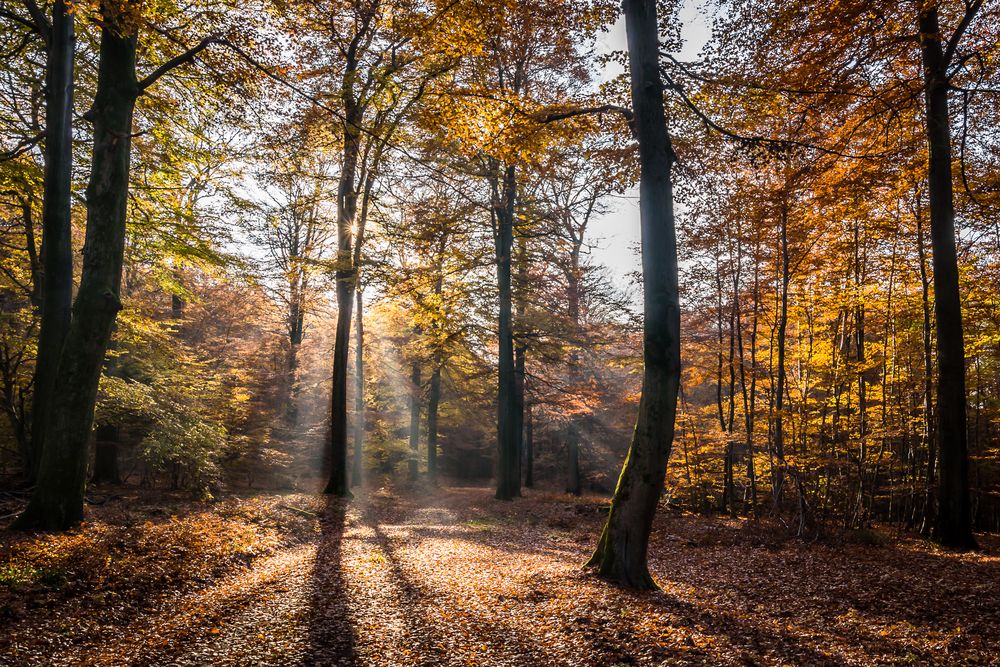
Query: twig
299 511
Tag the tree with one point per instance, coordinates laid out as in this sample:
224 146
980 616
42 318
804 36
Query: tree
621 549
56 252
57 501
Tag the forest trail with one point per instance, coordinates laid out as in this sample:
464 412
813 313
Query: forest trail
454 577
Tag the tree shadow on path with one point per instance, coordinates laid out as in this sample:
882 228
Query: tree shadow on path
331 637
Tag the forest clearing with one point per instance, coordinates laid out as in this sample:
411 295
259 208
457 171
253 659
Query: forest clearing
451 576
499 332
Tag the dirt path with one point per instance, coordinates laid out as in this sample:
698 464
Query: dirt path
457 578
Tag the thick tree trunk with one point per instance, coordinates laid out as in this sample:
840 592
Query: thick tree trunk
953 527
357 470
415 391
508 473
57 502
337 484
57 252
621 551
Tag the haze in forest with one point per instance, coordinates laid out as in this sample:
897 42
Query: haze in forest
499 332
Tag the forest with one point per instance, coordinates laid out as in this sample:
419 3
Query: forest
500 332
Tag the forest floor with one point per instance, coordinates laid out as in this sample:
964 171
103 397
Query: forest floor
451 576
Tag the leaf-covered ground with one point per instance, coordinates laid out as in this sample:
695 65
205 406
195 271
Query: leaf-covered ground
453 577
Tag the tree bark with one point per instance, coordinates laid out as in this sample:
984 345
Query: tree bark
779 397
508 473
928 398
415 391
57 251
953 527
621 550
57 502
433 401
573 429
357 471
529 448
347 205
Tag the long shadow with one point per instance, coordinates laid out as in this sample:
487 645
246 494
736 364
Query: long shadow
331 637
753 639
427 640
604 646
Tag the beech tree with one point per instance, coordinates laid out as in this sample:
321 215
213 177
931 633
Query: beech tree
621 549
57 501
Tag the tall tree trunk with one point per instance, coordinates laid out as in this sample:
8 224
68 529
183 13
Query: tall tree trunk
57 251
57 502
573 428
529 448
508 473
415 391
621 550
296 322
520 349
779 396
433 401
953 527
927 435
434 393
347 205
750 393
859 355
357 470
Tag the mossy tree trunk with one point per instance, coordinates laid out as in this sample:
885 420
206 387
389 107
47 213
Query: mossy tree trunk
57 502
621 550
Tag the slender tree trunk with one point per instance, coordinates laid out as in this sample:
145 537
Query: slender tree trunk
357 470
414 419
57 502
106 469
573 428
519 369
779 396
529 448
953 527
520 349
508 474
859 355
433 402
750 393
57 253
296 322
621 550
434 392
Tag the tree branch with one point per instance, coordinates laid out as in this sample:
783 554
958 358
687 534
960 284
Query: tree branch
22 147
971 10
177 61
553 116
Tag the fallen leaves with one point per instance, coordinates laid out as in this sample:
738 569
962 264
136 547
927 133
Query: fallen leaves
456 578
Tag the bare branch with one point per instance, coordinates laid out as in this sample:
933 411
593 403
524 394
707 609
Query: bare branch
177 61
